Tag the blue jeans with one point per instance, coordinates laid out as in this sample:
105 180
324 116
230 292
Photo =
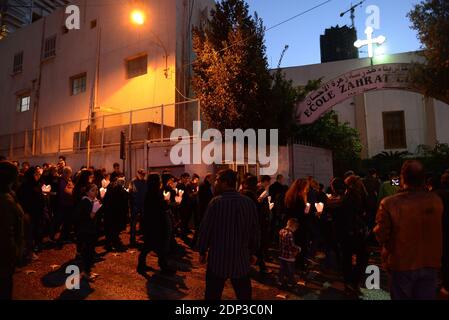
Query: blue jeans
414 285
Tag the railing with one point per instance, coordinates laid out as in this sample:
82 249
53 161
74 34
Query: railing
152 124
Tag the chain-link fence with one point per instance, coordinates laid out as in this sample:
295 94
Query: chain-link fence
150 124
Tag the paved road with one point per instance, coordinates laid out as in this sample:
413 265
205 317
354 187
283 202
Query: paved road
45 279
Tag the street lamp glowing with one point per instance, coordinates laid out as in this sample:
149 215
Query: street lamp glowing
138 17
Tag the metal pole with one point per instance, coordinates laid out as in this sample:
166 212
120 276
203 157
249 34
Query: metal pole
79 137
129 143
11 146
162 123
146 150
94 95
59 139
88 133
102 134
37 91
25 146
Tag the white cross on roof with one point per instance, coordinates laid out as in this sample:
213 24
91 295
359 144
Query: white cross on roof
369 41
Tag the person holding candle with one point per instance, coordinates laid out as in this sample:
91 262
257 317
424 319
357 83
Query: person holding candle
157 226
297 207
259 197
87 210
353 228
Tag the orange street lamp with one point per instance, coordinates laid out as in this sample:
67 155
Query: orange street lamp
138 17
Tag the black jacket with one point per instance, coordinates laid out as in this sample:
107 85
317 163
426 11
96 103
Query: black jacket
32 199
115 207
156 222
205 195
87 224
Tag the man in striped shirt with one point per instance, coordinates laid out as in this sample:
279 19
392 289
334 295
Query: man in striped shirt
229 239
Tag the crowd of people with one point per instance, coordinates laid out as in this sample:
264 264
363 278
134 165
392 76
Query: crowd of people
233 221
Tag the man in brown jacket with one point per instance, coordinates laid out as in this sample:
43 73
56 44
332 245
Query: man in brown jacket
409 230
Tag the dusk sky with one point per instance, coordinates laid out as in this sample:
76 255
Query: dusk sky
303 33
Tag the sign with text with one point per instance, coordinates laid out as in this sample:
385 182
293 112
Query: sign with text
377 77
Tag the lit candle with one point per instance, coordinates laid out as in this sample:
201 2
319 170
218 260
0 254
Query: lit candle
319 207
307 210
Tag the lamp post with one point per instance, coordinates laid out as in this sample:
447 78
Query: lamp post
94 96
138 18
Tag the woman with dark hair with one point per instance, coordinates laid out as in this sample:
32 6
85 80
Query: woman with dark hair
297 207
32 201
249 189
87 209
156 226
98 178
296 199
84 179
353 233
115 214
11 229
169 185
333 211
51 178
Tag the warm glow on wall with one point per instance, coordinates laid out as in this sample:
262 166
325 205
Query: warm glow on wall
149 90
138 17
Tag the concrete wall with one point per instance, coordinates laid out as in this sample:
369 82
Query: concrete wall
312 161
294 162
442 119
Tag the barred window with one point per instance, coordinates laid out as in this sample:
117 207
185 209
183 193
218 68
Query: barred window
50 47
23 103
18 62
394 130
136 67
78 84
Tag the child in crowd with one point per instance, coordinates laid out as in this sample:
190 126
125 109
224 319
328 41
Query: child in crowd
288 252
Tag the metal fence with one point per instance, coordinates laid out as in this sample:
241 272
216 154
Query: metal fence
150 124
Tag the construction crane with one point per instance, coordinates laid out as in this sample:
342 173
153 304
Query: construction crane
352 10
282 55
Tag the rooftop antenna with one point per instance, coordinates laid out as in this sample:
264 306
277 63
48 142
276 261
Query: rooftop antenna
352 10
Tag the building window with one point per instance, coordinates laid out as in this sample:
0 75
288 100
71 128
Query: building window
18 62
394 130
50 47
78 84
23 103
137 66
